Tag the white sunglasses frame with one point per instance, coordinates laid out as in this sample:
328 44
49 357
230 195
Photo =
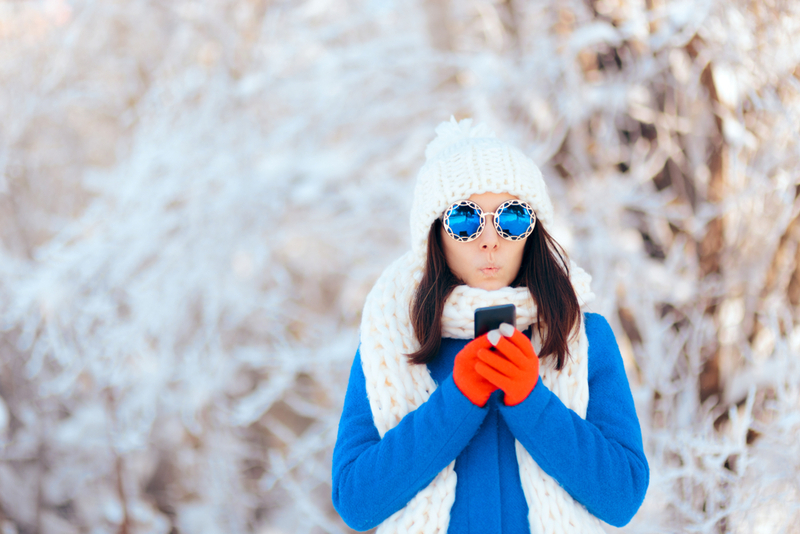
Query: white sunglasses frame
513 202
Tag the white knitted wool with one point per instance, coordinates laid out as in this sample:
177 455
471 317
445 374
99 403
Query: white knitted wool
459 312
395 388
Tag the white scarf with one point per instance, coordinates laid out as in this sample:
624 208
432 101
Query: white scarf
395 388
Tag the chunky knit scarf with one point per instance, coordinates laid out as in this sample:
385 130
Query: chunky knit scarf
395 388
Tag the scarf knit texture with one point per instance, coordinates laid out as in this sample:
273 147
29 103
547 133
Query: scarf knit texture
395 388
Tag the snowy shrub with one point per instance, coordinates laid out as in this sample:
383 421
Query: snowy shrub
195 198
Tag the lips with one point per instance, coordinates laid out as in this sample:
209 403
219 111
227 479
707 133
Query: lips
489 271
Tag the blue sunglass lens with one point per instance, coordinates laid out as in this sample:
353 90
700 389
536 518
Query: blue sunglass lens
514 220
463 221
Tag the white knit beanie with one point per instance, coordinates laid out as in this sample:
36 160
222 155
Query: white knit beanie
462 161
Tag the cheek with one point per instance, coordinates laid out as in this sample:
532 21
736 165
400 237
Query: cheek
456 254
516 255
519 250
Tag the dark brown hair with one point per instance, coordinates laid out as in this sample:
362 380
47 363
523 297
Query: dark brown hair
544 271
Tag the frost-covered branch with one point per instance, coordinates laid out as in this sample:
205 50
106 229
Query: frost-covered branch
195 199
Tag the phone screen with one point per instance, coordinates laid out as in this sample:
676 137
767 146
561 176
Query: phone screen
492 317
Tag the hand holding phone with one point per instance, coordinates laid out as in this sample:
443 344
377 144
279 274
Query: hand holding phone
512 365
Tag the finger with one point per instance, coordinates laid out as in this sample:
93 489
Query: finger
497 379
498 362
481 342
493 336
506 329
522 343
512 353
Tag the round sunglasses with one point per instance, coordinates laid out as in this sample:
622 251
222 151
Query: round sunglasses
464 220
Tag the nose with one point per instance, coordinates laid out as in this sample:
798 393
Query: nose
489 238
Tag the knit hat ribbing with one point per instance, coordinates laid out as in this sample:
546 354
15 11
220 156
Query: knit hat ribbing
463 160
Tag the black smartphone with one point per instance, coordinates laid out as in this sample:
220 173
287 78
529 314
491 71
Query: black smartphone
492 317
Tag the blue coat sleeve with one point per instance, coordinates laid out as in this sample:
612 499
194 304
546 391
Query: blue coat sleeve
599 461
373 477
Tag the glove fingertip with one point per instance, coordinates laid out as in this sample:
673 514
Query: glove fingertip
493 337
523 343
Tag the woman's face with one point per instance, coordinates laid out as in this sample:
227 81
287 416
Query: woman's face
488 262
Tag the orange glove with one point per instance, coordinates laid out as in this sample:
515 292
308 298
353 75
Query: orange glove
476 388
513 366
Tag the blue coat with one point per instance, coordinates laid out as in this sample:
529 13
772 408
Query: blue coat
599 461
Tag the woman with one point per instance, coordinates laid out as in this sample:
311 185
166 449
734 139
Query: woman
509 432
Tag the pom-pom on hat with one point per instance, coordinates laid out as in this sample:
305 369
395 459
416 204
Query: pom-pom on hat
464 160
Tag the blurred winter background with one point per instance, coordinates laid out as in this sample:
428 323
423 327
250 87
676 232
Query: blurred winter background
195 197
